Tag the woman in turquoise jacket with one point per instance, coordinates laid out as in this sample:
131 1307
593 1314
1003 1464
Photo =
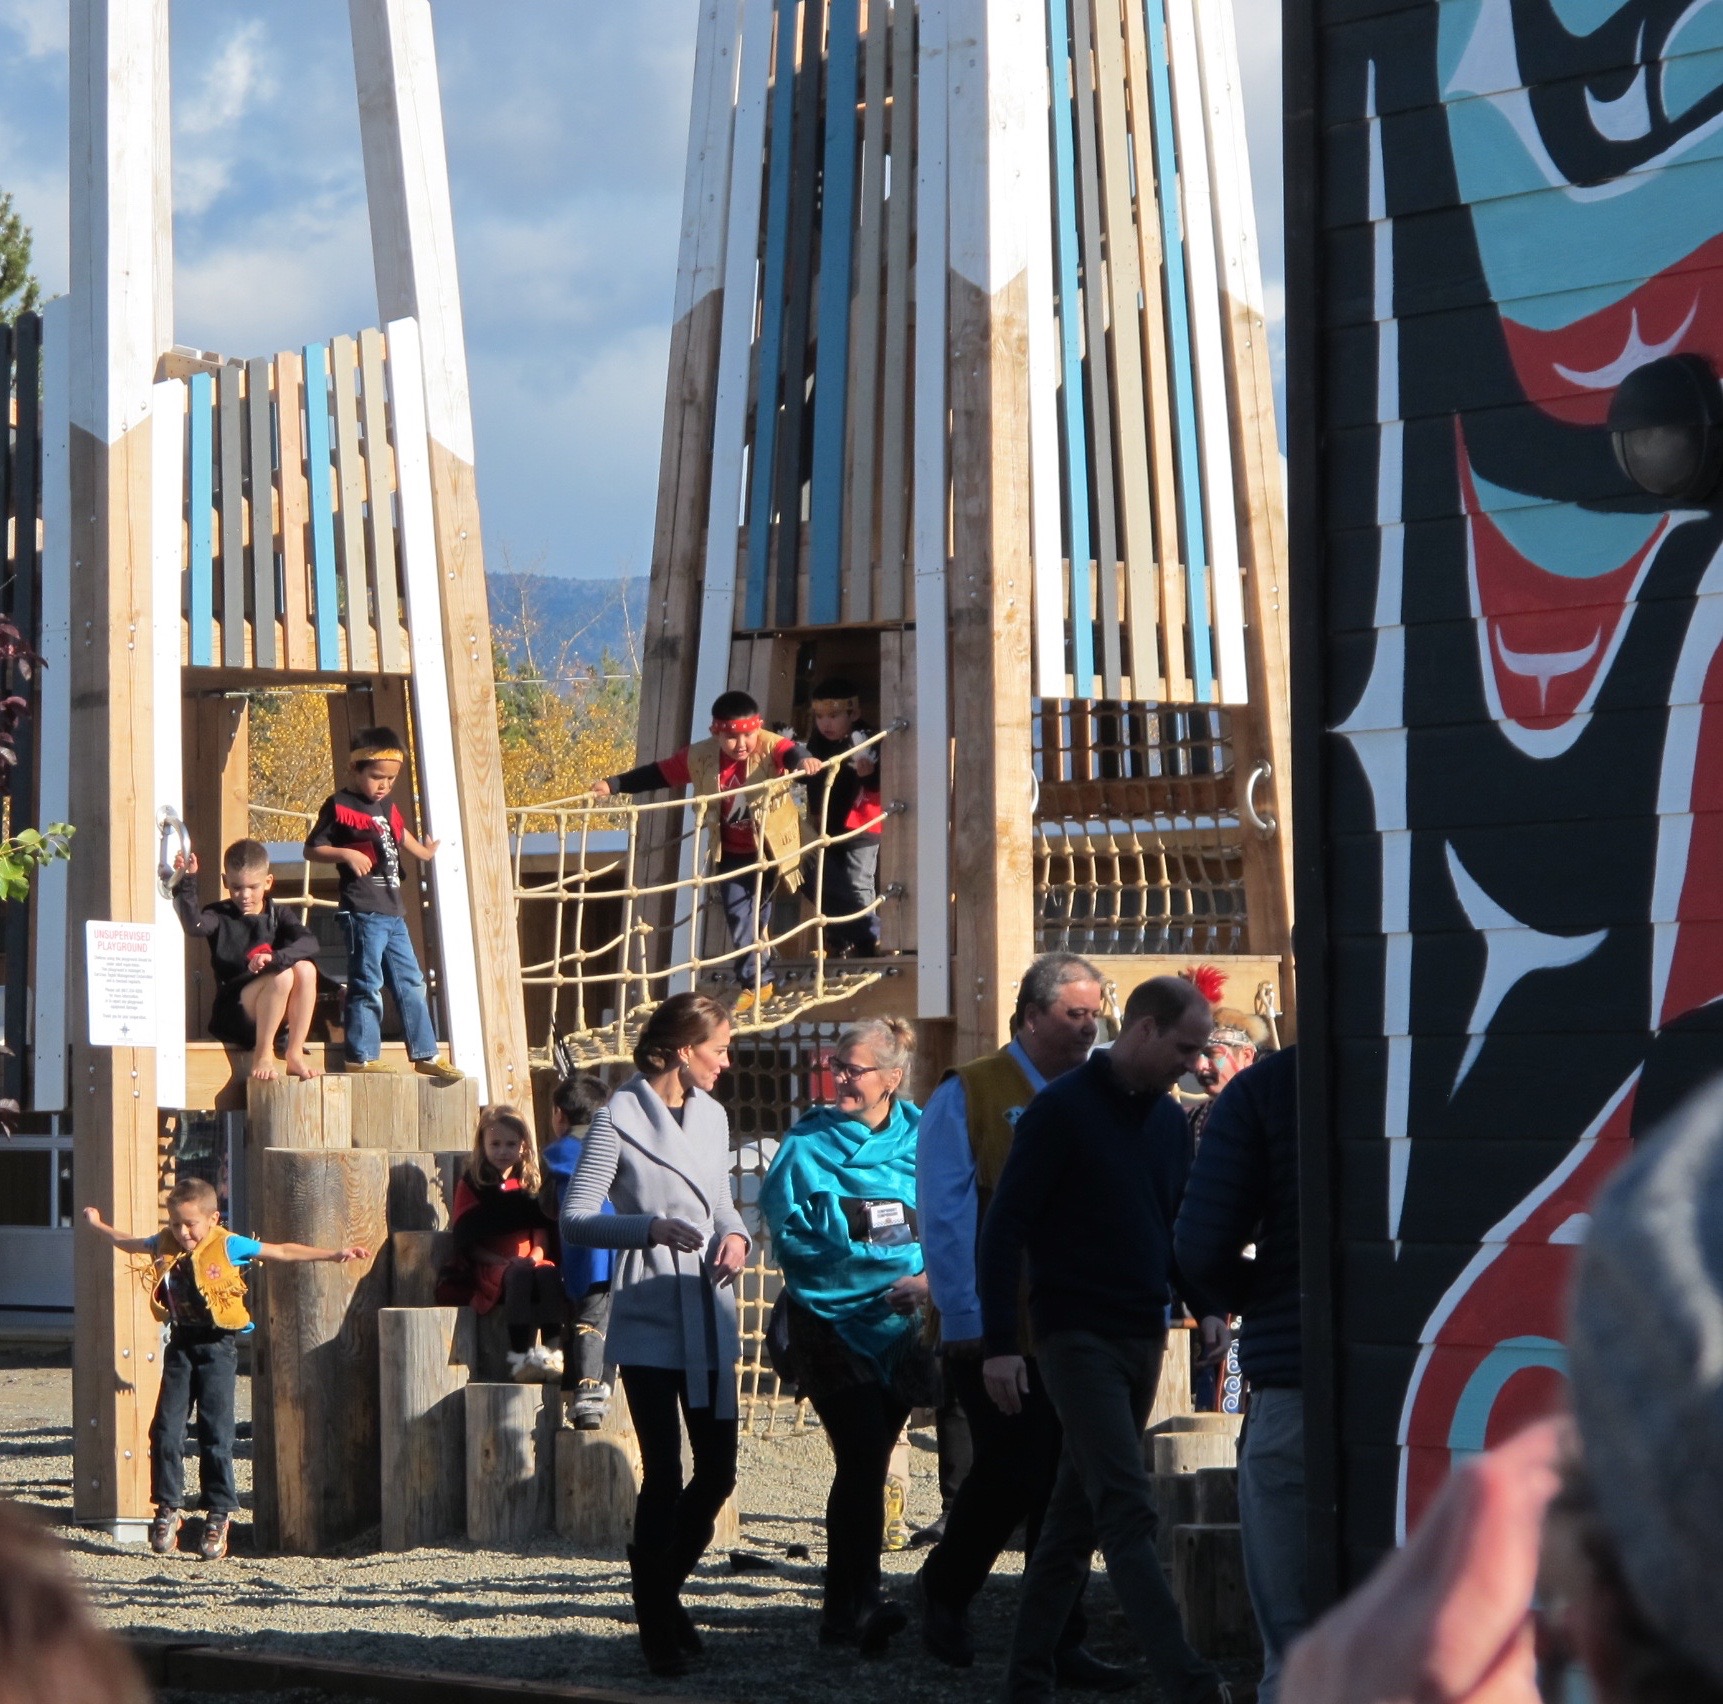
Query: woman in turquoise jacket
840 1204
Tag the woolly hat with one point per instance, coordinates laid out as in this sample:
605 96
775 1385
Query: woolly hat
1647 1364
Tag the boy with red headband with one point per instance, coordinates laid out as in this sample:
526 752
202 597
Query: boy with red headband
361 830
741 751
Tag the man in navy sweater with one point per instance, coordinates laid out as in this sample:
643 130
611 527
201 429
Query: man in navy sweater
1243 1189
1089 1195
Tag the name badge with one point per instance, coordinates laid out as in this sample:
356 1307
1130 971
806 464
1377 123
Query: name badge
887 1223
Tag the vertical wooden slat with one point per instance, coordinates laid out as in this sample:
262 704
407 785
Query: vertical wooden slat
894 436
1124 272
350 477
380 511
260 489
326 599
832 332
865 324
1076 436
231 408
804 184
1163 470
772 288
201 599
1100 388
293 497
898 783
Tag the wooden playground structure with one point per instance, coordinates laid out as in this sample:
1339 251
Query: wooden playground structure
968 401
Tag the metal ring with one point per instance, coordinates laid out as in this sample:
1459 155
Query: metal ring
174 837
1266 826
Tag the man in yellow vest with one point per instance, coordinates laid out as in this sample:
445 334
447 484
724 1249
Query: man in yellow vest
964 1136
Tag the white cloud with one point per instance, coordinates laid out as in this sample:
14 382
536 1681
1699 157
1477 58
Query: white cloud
234 80
41 26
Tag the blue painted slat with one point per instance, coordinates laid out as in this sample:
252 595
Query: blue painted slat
201 603
765 453
1193 529
327 614
832 369
1075 459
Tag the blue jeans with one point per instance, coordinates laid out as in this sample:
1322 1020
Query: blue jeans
380 950
1271 1521
738 898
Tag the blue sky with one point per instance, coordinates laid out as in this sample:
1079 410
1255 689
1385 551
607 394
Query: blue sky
567 122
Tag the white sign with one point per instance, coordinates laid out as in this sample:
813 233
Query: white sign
121 964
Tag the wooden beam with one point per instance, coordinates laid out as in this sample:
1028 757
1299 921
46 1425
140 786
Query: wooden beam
115 250
993 47
167 555
896 431
413 245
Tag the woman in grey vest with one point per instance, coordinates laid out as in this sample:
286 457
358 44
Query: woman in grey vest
660 1153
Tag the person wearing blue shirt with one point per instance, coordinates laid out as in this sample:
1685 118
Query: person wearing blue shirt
965 1136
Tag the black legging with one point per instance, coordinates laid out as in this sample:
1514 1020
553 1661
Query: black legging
862 1423
673 1521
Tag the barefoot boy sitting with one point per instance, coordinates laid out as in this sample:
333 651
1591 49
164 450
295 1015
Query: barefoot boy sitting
197 1284
262 958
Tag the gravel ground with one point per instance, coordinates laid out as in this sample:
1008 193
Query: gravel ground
545 1613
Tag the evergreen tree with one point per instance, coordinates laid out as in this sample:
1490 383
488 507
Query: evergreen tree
20 293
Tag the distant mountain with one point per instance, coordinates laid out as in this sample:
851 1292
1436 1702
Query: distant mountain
570 625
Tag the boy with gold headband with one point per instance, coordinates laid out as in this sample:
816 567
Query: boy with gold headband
360 829
741 751
847 803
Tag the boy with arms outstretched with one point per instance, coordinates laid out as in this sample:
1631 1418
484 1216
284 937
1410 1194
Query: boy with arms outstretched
741 751
262 958
197 1284
361 830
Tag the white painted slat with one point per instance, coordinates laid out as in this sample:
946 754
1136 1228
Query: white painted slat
54 707
932 710
1214 421
453 908
167 575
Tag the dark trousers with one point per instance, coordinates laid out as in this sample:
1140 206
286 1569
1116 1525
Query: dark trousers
1010 1480
851 884
532 1302
673 1520
862 1423
1102 1389
201 1367
956 1447
743 913
586 1321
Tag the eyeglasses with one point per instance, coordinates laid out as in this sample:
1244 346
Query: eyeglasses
851 1073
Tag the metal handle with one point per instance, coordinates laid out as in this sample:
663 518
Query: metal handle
174 840
1266 826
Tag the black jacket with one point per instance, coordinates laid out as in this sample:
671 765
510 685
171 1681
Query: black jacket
233 936
1243 1188
1089 1194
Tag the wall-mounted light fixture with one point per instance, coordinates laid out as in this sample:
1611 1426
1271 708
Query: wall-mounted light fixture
1666 426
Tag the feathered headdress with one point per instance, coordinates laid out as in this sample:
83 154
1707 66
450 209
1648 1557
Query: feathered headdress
1210 981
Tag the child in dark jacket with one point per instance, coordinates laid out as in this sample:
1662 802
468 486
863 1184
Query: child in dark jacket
585 1271
846 801
502 1233
262 959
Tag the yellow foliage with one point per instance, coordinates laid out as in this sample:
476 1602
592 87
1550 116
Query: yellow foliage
292 763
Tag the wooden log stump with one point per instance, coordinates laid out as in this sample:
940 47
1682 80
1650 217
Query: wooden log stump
1217 1496
1186 1452
511 1462
321 1331
1230 1424
1175 1500
285 1113
451 1168
597 1480
416 1193
1173 1394
416 1257
490 1347
385 1110
1208 1582
423 1356
448 1114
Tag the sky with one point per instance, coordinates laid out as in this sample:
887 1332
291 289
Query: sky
567 128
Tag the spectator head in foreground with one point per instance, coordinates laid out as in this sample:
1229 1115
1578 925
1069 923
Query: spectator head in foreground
1610 1521
51 1649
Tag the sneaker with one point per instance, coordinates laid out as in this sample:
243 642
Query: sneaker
365 1068
896 1524
749 1001
164 1531
590 1405
439 1071
212 1542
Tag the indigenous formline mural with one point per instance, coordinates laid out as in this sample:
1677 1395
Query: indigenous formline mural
1522 204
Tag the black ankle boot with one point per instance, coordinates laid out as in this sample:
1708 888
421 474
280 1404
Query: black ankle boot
685 1551
659 1642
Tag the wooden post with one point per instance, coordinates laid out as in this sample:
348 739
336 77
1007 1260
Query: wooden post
449 1114
413 249
991 55
415 1259
116 248
415 1194
597 1480
422 1356
322 1342
511 1466
385 1110
1208 1581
